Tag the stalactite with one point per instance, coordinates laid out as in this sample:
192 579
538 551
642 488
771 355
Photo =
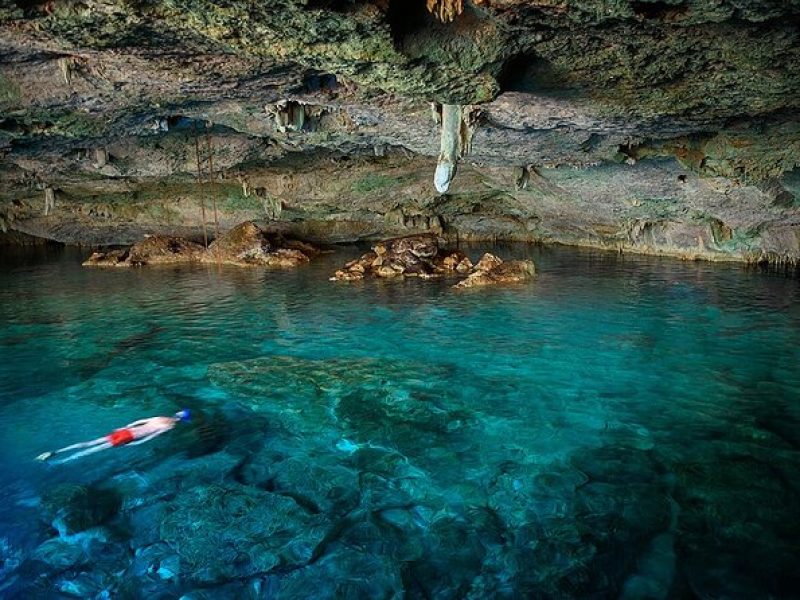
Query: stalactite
458 127
49 200
436 113
100 158
469 123
245 185
65 65
523 179
445 10
450 147
288 115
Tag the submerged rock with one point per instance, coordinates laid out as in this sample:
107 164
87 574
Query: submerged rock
225 533
74 508
346 573
244 245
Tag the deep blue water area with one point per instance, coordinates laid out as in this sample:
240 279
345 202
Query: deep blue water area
622 427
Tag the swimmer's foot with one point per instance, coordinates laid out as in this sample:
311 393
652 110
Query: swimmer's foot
44 456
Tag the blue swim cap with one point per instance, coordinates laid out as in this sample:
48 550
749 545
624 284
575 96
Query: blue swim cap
184 415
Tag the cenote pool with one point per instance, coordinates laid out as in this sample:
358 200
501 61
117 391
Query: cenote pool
623 427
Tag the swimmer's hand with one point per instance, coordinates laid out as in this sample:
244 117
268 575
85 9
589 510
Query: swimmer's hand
44 456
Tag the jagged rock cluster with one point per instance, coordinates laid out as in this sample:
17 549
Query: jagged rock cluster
423 256
244 245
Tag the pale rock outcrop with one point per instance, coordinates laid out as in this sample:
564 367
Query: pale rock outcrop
492 270
421 256
244 245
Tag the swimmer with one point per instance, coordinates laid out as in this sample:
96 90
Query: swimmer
132 434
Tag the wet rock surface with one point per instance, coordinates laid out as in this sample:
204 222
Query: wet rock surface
491 270
244 245
589 122
426 257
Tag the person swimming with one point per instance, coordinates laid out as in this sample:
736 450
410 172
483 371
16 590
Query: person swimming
132 434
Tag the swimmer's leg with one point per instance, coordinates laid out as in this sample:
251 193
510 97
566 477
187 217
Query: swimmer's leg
48 455
101 444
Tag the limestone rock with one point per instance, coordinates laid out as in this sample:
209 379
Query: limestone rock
487 263
456 261
420 256
244 245
286 258
161 249
153 250
248 244
112 258
415 255
74 508
490 272
250 532
421 246
347 573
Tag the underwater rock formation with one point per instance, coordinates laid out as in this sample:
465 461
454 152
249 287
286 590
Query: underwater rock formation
74 508
232 532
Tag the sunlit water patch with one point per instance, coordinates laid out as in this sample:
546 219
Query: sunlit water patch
623 427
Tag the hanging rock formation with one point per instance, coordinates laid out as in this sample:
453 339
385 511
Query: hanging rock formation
445 10
608 105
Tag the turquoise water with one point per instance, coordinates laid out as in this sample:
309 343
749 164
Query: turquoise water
623 427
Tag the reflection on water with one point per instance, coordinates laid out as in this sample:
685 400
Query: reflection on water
622 427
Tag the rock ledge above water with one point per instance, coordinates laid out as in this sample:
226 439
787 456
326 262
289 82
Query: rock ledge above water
245 245
425 256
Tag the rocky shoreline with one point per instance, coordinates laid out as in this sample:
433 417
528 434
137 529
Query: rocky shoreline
426 257
244 245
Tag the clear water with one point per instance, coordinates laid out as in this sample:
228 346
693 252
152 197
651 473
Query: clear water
624 427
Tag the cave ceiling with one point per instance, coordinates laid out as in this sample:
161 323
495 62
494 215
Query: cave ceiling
543 84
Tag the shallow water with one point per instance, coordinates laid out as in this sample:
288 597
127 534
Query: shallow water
621 427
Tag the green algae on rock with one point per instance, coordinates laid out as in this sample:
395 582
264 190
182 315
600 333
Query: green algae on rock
302 95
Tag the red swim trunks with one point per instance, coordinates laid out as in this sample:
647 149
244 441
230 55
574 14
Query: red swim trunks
120 437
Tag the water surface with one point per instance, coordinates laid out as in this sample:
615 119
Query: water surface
622 427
